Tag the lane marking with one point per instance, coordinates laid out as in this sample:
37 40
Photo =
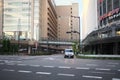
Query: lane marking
114 63
111 65
65 67
22 64
119 70
45 73
23 71
91 65
34 65
102 69
115 78
48 66
11 64
11 70
61 74
95 77
84 68
102 73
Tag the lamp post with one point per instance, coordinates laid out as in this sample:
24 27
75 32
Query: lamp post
79 29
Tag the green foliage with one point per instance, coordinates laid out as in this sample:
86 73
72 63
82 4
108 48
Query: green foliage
76 47
7 47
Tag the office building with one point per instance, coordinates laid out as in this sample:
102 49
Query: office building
21 18
48 19
67 23
29 19
1 19
105 40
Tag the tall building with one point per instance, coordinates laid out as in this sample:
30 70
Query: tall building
21 18
66 22
48 19
89 17
29 19
105 40
1 29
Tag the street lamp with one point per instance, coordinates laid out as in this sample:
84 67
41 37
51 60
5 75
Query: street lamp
79 29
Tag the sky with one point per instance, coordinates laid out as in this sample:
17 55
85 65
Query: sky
67 2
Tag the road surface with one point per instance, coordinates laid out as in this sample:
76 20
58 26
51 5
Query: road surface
56 67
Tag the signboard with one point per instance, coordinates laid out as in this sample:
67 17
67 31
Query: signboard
110 15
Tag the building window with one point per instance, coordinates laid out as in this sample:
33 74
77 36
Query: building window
104 6
109 5
100 10
116 3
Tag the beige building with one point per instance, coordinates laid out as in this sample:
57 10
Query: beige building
66 23
48 19
1 18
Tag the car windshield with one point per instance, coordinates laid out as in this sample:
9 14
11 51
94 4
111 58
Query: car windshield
68 50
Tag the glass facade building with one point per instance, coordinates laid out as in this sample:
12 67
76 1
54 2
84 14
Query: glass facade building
0 19
21 18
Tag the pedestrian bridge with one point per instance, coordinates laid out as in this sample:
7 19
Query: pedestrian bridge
56 43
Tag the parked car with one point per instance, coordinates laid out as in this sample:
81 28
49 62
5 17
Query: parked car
68 53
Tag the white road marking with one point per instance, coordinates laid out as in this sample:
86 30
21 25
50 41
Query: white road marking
114 63
23 71
14 61
111 65
95 77
22 64
115 79
61 74
11 70
10 64
64 67
91 65
45 73
103 69
102 72
49 58
48 66
34 65
84 68
119 70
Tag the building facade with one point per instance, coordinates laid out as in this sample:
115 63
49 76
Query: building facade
1 29
89 17
105 40
28 19
67 23
48 19
21 18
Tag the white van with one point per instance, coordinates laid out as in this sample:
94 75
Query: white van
68 53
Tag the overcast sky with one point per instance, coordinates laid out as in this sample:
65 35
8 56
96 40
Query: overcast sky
67 2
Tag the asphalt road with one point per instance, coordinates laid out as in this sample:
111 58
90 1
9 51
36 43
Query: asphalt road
55 67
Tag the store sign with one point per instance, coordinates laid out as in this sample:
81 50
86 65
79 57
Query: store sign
112 14
100 1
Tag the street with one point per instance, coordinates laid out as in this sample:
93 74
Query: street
56 67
